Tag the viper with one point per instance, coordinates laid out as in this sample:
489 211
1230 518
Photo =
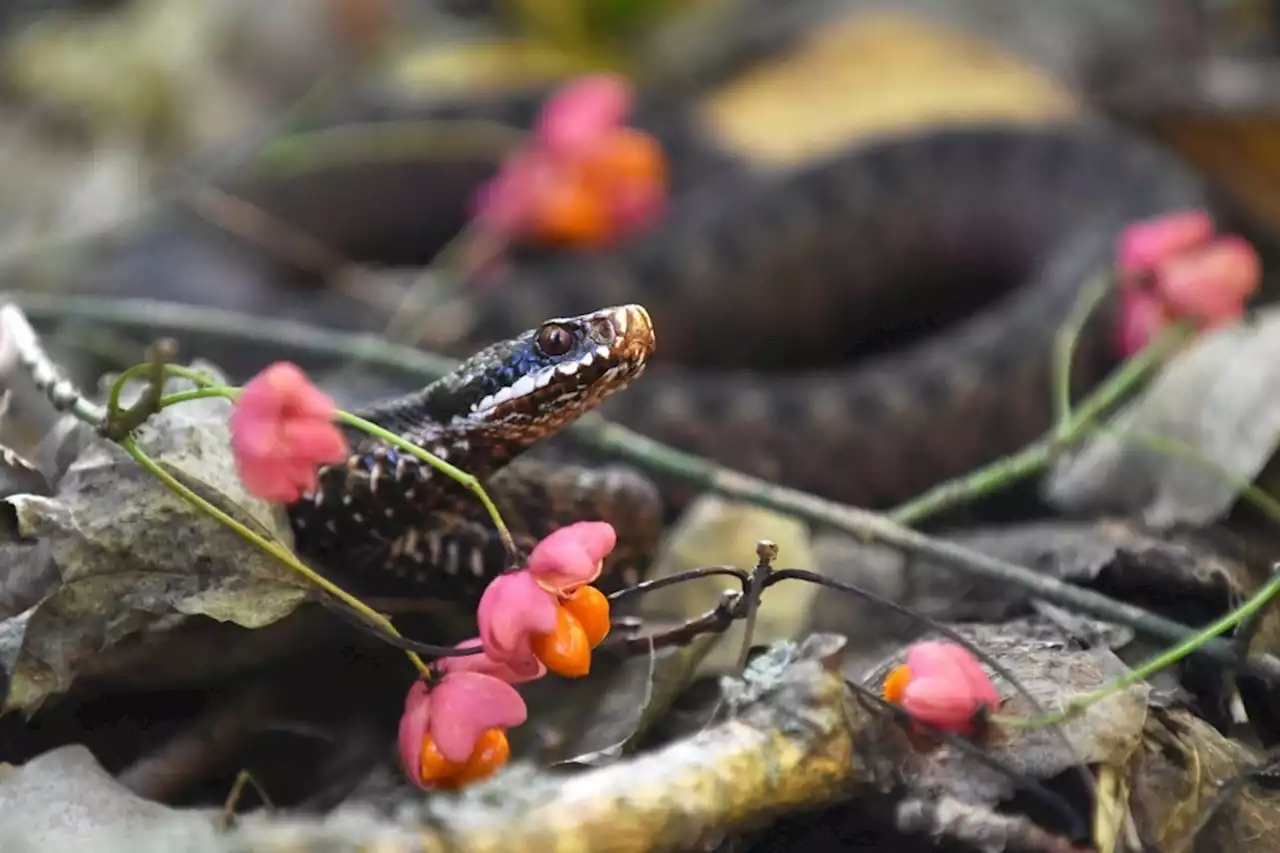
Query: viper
391 522
862 327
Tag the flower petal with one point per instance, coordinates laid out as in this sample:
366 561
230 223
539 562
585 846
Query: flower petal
1141 317
952 679
572 556
943 702
281 429
512 609
268 481
464 705
316 441
1211 285
413 729
1145 244
486 665
583 113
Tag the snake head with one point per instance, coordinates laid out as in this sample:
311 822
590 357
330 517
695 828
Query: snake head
534 384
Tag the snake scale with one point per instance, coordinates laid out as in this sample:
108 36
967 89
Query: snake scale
862 327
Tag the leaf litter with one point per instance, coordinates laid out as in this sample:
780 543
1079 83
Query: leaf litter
130 555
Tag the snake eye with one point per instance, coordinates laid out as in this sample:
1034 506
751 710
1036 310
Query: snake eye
554 339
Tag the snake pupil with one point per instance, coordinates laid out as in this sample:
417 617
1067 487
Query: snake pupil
554 340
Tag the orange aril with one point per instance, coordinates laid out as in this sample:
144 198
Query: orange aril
571 211
629 157
491 753
565 650
591 608
433 768
895 683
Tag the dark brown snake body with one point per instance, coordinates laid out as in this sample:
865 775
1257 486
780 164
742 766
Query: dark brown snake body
862 327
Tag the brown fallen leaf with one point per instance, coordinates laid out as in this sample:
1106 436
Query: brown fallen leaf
1176 778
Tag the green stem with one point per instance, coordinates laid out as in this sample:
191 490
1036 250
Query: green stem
1008 470
1064 350
388 141
117 388
196 394
274 549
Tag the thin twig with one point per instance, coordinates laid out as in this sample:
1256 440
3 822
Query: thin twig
766 553
872 527
151 314
388 141
16 333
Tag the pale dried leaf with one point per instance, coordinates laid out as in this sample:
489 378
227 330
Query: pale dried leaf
64 800
132 554
1220 399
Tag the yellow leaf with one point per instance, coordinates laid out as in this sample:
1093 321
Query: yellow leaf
869 74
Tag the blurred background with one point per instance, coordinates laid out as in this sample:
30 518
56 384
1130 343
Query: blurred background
142 144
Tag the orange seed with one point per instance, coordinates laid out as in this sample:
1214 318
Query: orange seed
565 650
491 753
572 212
895 683
591 608
433 768
630 157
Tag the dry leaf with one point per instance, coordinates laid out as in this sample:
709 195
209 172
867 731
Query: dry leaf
132 555
1220 400
869 74
64 800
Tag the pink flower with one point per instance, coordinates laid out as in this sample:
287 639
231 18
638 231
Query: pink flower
943 685
281 429
583 113
546 615
572 556
1144 245
452 732
1214 282
584 179
1173 268
486 665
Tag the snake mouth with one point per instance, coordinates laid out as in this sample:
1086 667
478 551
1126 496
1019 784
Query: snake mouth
550 375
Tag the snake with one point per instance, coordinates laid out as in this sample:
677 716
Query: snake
861 326
387 513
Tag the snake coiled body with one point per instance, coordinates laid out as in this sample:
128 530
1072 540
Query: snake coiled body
868 325
862 328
